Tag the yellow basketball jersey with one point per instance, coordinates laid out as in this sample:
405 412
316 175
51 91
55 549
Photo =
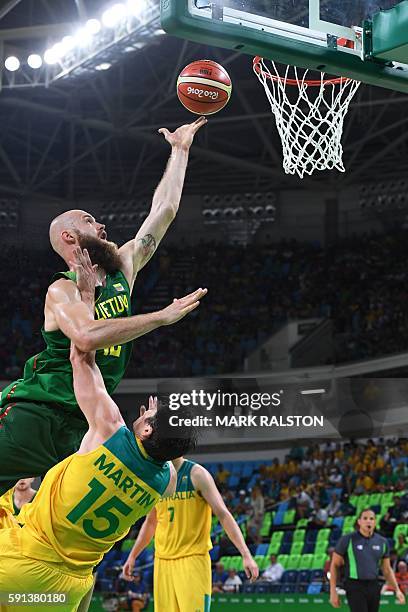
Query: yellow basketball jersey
183 520
88 502
7 501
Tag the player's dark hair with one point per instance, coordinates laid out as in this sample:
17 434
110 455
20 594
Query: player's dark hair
169 442
360 514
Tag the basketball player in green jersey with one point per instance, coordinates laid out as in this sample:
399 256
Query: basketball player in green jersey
40 422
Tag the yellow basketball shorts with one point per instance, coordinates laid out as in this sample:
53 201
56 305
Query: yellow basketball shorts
182 585
34 580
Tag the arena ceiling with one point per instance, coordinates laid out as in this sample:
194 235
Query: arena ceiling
83 138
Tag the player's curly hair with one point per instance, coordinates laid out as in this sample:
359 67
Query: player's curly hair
168 442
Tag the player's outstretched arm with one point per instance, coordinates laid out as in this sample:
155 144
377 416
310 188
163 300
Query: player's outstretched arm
137 252
75 320
204 482
100 410
143 539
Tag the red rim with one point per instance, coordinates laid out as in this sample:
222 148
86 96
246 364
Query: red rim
294 82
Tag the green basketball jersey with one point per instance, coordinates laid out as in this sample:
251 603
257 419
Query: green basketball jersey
48 375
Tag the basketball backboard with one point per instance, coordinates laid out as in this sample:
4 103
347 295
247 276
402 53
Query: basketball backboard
334 36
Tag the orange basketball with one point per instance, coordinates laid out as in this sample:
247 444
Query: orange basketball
204 87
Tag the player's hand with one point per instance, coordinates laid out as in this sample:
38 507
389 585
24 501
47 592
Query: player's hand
77 357
182 307
335 600
127 571
250 567
86 277
400 596
183 137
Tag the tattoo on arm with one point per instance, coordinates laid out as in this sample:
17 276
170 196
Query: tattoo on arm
148 246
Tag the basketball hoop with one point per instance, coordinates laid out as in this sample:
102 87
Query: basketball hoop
311 126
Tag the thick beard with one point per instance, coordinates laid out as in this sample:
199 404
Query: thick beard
101 252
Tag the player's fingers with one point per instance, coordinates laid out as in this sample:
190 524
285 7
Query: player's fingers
194 295
164 131
87 258
199 123
188 309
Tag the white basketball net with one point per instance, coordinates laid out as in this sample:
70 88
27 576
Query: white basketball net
312 126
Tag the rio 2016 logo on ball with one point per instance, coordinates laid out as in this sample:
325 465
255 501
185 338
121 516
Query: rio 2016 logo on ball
204 87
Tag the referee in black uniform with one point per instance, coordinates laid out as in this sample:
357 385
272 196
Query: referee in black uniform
362 554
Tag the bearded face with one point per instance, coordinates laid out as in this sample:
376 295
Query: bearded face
101 252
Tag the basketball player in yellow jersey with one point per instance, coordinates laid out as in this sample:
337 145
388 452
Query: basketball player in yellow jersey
13 504
181 525
89 501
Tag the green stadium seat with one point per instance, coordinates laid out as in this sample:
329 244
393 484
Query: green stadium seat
318 561
266 526
258 560
388 497
321 547
348 524
353 500
274 548
293 562
323 535
264 563
400 529
297 548
289 517
127 545
299 535
283 560
301 523
375 499
305 562
226 561
277 537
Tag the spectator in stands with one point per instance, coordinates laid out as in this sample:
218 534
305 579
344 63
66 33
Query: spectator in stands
401 546
335 477
232 583
257 504
388 479
334 507
304 504
138 596
347 509
318 518
222 477
364 483
242 504
396 512
401 576
274 571
219 576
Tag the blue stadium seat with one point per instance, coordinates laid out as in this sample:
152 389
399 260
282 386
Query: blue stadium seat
247 470
304 576
338 522
314 588
262 549
233 481
288 588
308 548
311 535
105 585
278 518
290 576
287 537
285 548
316 575
215 553
283 506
